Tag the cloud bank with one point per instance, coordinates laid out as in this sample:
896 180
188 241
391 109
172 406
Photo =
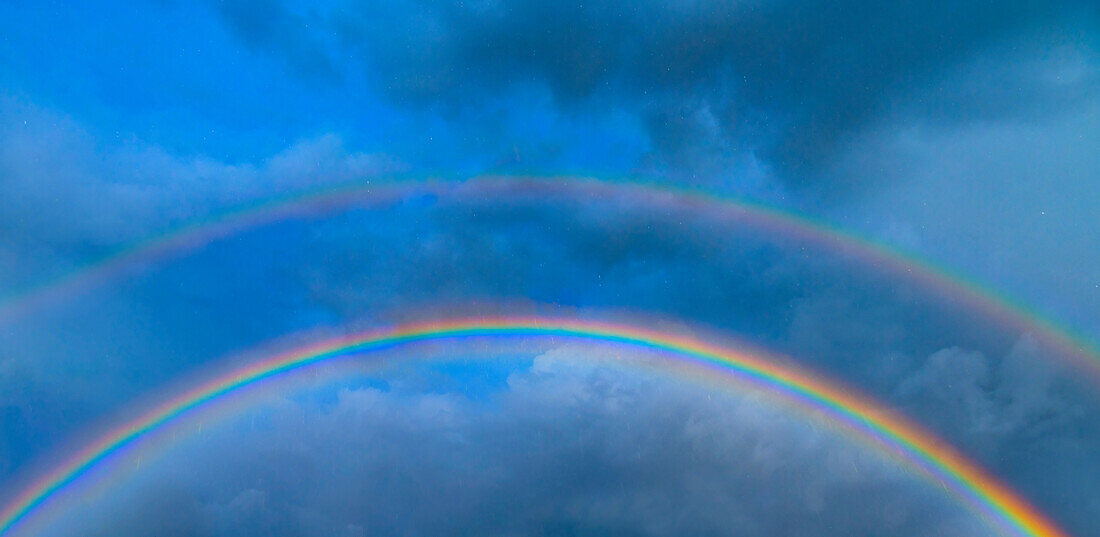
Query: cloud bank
568 444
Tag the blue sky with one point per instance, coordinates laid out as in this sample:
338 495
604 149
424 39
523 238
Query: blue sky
963 132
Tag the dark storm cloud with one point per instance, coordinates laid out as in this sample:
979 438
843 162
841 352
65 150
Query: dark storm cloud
1009 202
275 28
792 83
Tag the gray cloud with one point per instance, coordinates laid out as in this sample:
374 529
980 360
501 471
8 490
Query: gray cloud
568 446
67 196
991 401
1012 411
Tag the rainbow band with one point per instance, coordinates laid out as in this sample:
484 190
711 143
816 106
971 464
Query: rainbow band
868 421
873 254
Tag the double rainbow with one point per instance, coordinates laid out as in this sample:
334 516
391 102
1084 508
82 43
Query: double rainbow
857 415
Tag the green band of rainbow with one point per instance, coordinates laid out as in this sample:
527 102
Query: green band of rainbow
872 254
870 422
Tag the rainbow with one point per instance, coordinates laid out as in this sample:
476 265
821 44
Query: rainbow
859 416
873 254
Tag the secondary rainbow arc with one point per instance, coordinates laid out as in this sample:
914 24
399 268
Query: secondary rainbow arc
1079 349
870 422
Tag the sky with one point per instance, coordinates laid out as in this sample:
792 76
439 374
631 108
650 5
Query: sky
963 133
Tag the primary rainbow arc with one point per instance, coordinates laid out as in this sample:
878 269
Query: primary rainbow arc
868 421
